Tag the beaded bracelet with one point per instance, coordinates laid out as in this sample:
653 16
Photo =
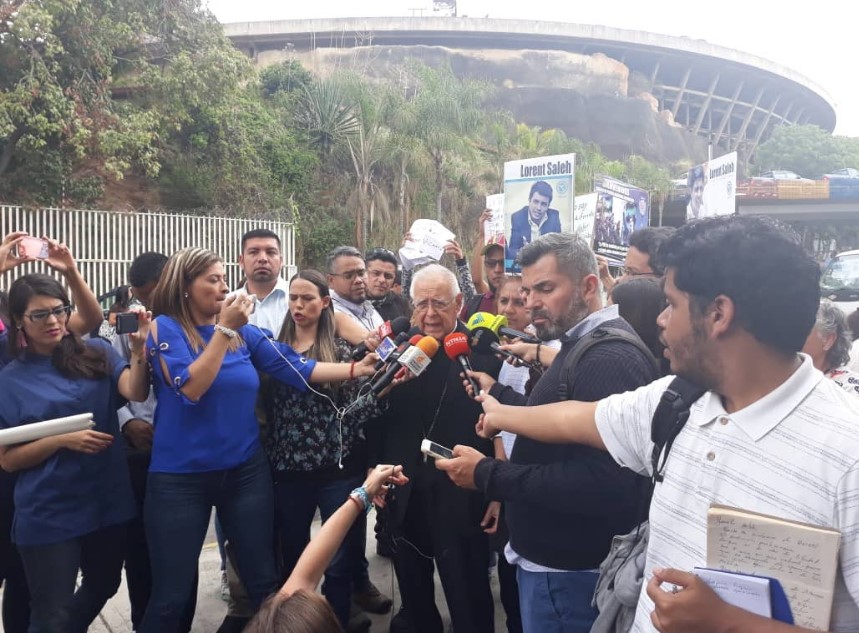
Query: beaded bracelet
361 493
228 332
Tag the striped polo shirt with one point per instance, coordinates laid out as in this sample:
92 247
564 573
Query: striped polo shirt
792 454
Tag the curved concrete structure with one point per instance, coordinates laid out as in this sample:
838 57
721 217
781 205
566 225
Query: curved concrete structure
724 95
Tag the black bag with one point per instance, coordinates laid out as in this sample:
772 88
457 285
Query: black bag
622 571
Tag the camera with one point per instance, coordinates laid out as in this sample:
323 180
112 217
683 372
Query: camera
126 322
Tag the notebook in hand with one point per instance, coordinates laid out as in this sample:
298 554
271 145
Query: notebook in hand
757 594
801 556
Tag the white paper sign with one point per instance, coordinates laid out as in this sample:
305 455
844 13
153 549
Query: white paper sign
428 239
493 228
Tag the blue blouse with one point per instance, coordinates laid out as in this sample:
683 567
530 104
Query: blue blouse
69 494
220 430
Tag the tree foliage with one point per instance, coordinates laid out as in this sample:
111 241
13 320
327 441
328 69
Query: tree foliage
808 150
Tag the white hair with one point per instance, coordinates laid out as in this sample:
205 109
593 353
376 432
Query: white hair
435 270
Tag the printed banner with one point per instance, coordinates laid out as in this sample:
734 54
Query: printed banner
584 217
493 228
538 199
712 188
621 209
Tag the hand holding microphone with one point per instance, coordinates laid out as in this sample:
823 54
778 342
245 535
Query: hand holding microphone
456 347
415 358
387 330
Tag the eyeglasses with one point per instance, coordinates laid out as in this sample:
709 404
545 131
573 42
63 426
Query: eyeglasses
437 305
627 272
494 263
351 274
37 316
375 274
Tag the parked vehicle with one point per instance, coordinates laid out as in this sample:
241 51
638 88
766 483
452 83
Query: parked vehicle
840 281
845 172
779 174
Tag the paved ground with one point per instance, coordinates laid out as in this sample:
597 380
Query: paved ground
211 609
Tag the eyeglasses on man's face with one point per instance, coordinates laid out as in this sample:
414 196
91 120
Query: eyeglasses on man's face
38 316
436 304
351 275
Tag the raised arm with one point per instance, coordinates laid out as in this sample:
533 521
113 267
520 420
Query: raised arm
87 315
321 549
559 422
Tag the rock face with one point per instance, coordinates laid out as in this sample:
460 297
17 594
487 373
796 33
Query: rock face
590 97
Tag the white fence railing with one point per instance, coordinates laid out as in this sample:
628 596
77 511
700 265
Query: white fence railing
105 242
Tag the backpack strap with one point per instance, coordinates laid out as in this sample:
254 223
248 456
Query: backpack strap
670 417
602 334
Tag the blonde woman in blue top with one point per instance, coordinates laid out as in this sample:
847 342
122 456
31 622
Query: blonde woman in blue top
206 450
72 495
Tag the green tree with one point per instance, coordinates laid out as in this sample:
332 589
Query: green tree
806 149
105 82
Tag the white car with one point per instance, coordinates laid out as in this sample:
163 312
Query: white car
840 281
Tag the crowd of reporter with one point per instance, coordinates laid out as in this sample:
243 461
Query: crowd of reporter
265 404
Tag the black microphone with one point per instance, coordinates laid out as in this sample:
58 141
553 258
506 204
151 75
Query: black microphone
394 346
482 339
387 329
508 332
425 343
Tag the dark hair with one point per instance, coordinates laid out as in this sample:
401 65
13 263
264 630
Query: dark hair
382 255
696 173
146 268
259 233
398 277
71 357
340 251
759 264
543 188
301 612
648 240
4 308
639 301
853 323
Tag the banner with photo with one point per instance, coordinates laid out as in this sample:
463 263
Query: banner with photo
712 188
584 217
493 228
621 209
538 199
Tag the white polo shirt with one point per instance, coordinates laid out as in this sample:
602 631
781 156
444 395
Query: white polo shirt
792 454
270 312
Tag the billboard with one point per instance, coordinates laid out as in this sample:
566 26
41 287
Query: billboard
712 188
621 209
538 199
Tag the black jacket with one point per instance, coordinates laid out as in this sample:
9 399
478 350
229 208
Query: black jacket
565 502
434 406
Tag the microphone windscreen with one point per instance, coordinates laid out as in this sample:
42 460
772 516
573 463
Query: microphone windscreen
428 345
482 339
399 325
456 344
498 322
415 338
479 319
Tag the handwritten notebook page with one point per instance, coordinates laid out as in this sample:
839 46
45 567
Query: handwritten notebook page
747 592
802 557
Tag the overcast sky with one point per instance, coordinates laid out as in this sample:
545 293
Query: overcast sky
814 40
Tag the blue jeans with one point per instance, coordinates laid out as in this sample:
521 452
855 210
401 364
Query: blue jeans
295 504
52 571
556 602
177 512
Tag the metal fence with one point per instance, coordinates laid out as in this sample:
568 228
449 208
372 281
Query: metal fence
104 243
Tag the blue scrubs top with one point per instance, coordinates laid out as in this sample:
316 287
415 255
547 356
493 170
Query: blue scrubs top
220 431
69 494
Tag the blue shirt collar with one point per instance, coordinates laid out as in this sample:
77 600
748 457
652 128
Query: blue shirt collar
592 322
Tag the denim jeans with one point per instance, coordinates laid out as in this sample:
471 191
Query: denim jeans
557 602
52 571
177 513
296 503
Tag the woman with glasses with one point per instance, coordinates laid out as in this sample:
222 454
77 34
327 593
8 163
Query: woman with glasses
72 495
206 449
317 455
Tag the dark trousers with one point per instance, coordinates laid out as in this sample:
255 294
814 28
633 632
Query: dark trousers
177 513
16 595
463 567
295 505
138 571
509 591
53 569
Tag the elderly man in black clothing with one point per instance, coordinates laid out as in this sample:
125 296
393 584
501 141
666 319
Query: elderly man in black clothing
432 520
564 503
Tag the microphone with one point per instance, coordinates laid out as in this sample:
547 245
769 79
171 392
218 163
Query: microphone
480 319
507 332
388 349
456 347
387 329
417 358
486 332
394 367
